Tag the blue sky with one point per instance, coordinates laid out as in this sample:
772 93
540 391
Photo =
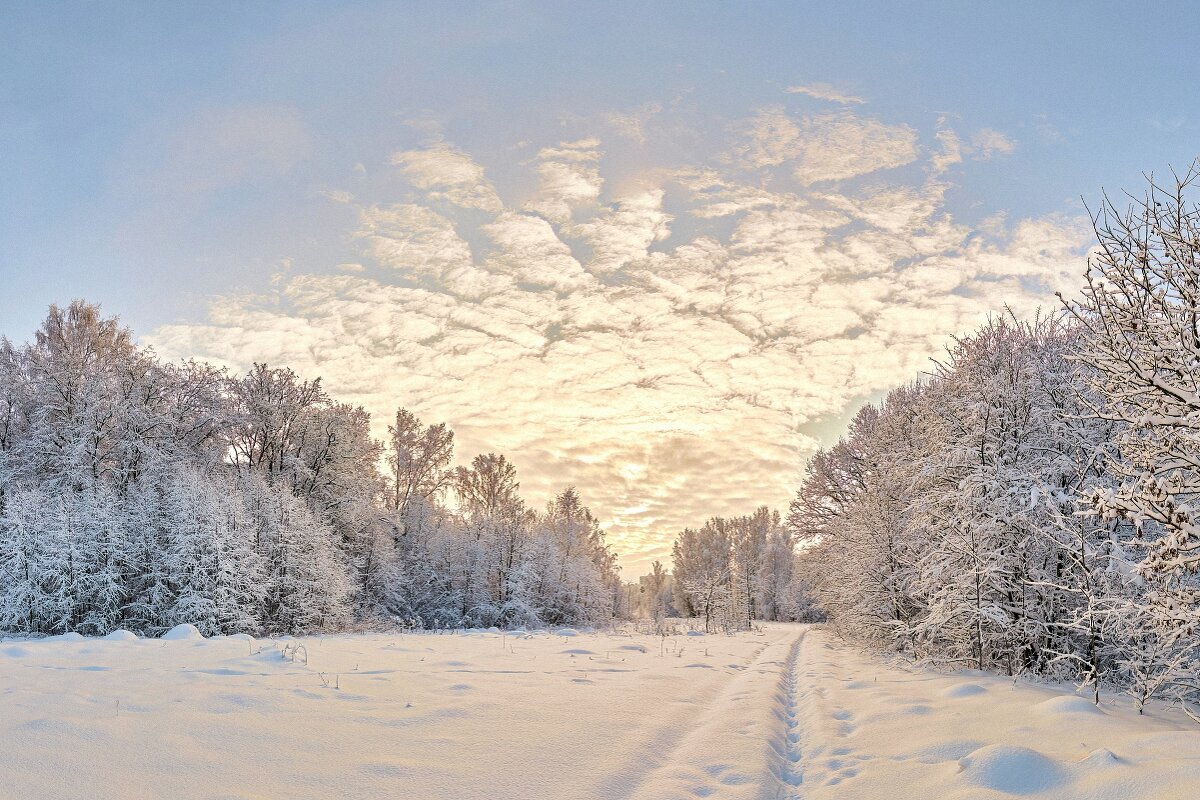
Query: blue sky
1094 92
206 170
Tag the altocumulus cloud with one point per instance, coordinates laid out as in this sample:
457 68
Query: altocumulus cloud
666 344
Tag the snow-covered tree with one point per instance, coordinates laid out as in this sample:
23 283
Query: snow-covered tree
418 461
855 510
140 494
1140 315
217 576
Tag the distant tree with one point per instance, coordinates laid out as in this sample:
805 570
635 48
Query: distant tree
656 588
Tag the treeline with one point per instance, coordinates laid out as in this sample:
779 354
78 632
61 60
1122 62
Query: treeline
737 570
140 494
1030 505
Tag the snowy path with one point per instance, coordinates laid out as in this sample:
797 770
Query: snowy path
792 771
743 742
785 714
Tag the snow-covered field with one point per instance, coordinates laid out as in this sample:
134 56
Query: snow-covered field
782 713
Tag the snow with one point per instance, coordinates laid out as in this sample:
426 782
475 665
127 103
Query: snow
1067 705
786 712
181 633
1012 769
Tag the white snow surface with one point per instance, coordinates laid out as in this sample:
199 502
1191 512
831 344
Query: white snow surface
182 632
787 712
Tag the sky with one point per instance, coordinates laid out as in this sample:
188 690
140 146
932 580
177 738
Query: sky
660 251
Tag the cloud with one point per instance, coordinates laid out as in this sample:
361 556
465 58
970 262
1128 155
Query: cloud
623 234
983 145
952 149
569 178
448 174
826 147
771 138
632 125
659 342
528 249
987 143
413 239
824 91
